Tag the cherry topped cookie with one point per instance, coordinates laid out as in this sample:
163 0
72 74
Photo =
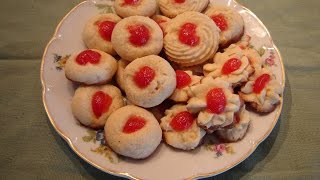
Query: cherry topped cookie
92 105
171 8
185 79
232 66
98 30
215 102
90 66
126 8
137 36
133 132
180 128
190 39
149 81
162 21
263 92
230 23
239 127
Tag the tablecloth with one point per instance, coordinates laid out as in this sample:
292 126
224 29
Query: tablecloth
31 149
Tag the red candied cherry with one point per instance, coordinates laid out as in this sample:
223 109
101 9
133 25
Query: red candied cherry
139 35
188 35
231 65
220 21
144 76
179 1
159 21
216 101
130 2
100 103
133 124
260 83
183 79
90 56
182 121
106 29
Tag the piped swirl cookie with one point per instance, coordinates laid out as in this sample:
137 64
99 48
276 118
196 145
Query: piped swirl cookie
215 102
149 81
232 66
180 128
171 8
92 105
137 36
190 39
263 92
126 8
238 129
230 23
98 30
133 132
185 79
90 67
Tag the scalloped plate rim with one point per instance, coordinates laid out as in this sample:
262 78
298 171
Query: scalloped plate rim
127 175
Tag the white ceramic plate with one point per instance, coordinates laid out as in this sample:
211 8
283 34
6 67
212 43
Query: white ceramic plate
166 163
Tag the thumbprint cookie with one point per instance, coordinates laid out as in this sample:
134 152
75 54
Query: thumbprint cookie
171 8
133 132
149 81
91 66
126 8
98 30
162 21
230 23
137 36
92 105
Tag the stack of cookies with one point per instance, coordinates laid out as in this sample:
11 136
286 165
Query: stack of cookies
179 75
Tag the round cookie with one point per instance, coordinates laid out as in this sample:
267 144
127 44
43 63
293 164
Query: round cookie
92 105
216 103
263 92
137 36
180 128
133 132
126 8
90 67
149 81
171 8
191 38
122 64
238 129
229 22
162 21
98 30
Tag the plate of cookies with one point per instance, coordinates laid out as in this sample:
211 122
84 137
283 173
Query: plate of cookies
142 87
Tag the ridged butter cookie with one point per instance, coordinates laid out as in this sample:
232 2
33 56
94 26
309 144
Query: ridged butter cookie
191 38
